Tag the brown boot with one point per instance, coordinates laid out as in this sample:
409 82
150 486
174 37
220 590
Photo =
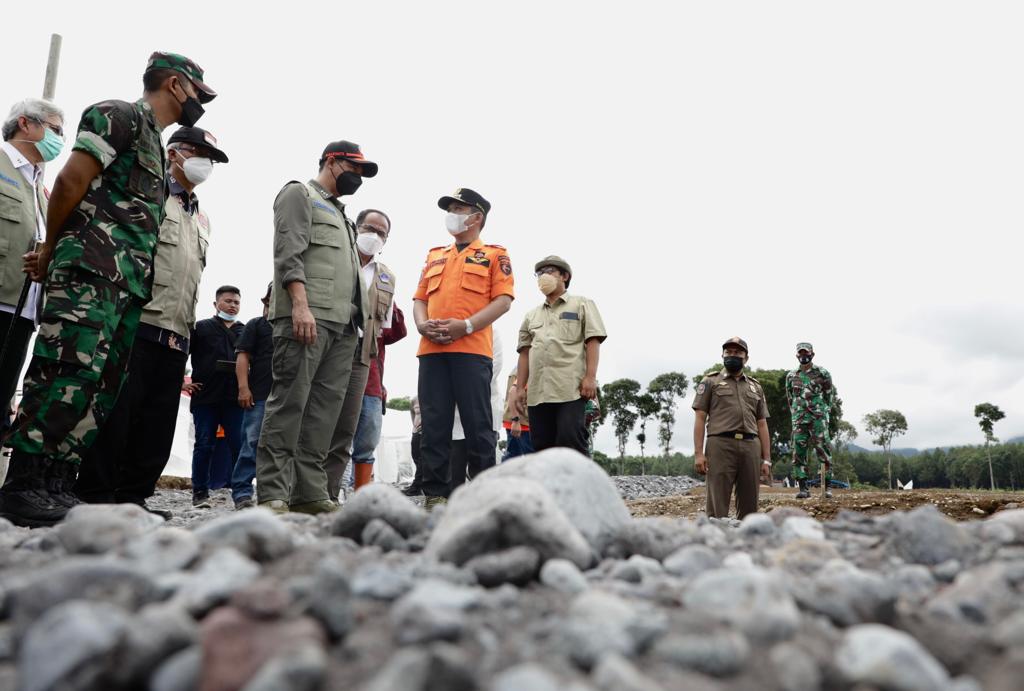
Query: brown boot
364 474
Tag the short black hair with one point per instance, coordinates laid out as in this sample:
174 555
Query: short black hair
568 278
366 212
228 289
154 79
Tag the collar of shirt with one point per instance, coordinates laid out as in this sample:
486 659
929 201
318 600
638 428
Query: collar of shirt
475 245
148 112
189 200
561 299
29 170
367 273
326 195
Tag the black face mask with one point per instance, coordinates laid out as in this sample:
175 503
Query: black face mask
347 183
733 363
806 359
191 111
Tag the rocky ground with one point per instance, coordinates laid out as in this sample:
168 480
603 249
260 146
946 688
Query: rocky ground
535 577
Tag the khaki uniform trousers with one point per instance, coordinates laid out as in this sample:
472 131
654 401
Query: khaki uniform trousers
339 455
302 413
732 463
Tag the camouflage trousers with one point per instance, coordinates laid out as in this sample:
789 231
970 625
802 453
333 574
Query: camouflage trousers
808 437
78 365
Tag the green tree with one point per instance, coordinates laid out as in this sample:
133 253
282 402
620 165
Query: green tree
646 408
400 403
884 425
619 400
666 389
988 415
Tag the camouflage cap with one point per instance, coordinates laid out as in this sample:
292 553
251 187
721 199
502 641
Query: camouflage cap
803 345
736 341
555 261
179 63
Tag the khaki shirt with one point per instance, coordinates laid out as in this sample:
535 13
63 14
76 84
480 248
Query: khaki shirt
556 335
732 405
177 268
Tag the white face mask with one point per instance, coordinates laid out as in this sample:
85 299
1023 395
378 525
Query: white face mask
227 317
197 169
370 244
455 223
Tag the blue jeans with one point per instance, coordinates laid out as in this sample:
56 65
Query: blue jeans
245 466
207 418
517 447
368 430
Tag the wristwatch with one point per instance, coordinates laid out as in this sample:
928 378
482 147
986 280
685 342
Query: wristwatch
515 419
469 327
766 462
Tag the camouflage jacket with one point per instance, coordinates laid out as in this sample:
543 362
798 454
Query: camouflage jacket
810 394
113 232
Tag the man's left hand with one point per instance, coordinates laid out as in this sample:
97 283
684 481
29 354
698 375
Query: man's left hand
456 328
766 474
588 388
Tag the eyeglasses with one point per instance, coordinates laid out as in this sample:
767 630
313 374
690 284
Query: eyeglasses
546 270
56 129
373 229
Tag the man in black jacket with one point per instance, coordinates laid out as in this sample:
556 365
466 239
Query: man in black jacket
214 389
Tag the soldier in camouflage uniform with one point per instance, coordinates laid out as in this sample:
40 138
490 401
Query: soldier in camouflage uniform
102 227
811 396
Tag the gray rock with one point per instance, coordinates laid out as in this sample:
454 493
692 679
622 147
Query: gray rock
378 533
794 668
163 550
616 673
848 595
600 623
382 501
257 533
912 582
441 667
331 598
887 658
691 560
982 596
527 676
487 516
803 556
651 537
381 582
85 578
802 528
925 536
738 560
516 565
158 631
636 569
719 654
99 528
302 669
757 525
218 576
562 575
73 646
432 611
179 672
754 600
583 491
1009 633
1013 519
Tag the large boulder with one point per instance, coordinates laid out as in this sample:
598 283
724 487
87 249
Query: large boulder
886 658
378 501
752 599
99 528
490 515
258 534
579 486
925 536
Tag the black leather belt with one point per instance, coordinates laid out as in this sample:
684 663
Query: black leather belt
736 435
164 337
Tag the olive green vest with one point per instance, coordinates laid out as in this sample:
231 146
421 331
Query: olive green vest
17 227
333 288
177 267
381 297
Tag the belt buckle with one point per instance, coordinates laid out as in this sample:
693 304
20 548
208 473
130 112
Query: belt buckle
737 435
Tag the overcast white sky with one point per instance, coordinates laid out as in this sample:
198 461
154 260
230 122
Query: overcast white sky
845 173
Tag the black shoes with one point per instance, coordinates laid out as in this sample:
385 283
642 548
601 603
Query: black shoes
803 493
24 498
60 481
201 500
412 491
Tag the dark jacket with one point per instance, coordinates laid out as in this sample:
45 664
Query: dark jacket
210 342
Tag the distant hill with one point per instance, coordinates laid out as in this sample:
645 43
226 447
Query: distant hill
896 452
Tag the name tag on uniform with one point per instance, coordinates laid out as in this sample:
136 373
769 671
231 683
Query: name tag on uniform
384 278
480 261
9 181
569 315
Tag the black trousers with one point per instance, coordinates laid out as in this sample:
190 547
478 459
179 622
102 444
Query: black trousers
134 445
417 461
14 360
559 424
462 468
447 380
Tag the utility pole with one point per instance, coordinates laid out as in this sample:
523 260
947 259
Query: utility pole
52 64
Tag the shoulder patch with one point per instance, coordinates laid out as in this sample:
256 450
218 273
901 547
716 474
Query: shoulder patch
702 387
497 247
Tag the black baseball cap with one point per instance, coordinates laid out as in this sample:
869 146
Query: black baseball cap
466 196
736 341
350 152
199 137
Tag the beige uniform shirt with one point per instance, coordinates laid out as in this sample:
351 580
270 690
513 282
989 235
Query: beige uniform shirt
732 405
556 335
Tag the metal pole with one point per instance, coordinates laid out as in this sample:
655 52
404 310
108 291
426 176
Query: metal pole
52 63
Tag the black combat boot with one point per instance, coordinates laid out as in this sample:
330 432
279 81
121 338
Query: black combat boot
60 480
24 499
803 493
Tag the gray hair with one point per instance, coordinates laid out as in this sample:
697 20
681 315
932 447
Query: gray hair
32 108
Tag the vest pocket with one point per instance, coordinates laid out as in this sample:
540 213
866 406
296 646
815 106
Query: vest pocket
10 206
476 278
329 236
434 276
319 291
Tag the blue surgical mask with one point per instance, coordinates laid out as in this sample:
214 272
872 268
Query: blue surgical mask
50 145
227 317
